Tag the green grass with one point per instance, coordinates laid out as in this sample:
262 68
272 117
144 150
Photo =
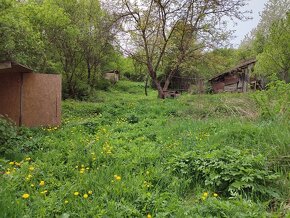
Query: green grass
140 155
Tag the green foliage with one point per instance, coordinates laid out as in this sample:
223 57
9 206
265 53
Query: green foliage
60 37
132 119
227 170
7 134
275 101
194 156
274 59
214 207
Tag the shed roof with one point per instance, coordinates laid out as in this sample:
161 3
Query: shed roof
235 69
13 67
113 71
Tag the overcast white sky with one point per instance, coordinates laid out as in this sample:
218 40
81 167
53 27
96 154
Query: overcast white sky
245 27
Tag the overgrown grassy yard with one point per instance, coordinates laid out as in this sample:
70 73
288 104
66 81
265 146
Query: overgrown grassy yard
128 155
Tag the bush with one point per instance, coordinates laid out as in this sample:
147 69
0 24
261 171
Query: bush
103 84
227 170
275 101
8 132
83 91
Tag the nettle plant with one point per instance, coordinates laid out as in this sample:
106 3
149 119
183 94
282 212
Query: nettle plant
228 171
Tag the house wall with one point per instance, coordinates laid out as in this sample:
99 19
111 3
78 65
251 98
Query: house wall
218 87
41 98
114 77
10 85
231 88
231 79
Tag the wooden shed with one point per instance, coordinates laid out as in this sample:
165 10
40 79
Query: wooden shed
238 79
29 99
113 76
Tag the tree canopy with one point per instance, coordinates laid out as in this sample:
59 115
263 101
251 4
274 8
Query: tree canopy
174 29
74 38
156 39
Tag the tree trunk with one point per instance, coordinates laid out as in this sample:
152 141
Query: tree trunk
146 85
167 83
89 72
168 79
159 89
153 76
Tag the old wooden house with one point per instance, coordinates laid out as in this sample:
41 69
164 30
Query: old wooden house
27 98
238 79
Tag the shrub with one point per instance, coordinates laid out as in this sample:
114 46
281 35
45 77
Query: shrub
227 170
103 84
274 103
8 132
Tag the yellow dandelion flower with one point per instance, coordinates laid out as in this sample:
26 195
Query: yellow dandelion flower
90 192
66 201
76 193
43 192
215 194
42 183
86 196
7 172
28 159
118 178
31 168
205 194
11 163
149 215
25 196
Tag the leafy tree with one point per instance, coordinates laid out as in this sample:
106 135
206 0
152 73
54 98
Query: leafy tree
150 26
71 37
18 38
273 10
274 60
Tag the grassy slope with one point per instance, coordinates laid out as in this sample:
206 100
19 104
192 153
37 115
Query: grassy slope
140 155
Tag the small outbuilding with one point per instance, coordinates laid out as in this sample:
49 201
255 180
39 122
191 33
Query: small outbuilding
27 98
238 79
113 76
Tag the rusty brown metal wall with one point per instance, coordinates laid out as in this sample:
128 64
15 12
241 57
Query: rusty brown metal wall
41 98
10 85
